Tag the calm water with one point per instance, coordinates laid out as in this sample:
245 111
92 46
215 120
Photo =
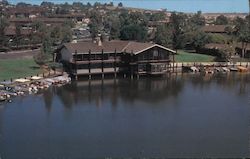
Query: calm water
184 115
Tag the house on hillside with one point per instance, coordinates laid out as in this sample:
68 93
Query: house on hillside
77 17
246 50
28 21
211 17
26 12
219 29
114 57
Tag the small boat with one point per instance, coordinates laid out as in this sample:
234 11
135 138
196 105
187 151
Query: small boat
225 69
209 71
194 69
218 69
233 69
242 69
2 98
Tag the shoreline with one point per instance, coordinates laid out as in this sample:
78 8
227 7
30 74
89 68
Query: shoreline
32 85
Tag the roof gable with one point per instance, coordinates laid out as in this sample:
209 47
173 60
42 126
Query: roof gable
155 45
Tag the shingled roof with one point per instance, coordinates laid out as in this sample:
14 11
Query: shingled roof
84 47
111 46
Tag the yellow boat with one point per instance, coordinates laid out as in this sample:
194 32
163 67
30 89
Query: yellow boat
242 69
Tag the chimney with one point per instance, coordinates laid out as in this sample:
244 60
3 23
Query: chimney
98 40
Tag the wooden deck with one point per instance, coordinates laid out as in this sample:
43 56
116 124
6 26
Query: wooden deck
97 71
98 61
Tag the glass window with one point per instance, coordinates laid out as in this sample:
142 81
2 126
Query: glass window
155 53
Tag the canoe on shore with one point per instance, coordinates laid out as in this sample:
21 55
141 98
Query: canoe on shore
242 69
233 69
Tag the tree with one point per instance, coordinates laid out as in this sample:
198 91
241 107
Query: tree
40 30
18 36
221 20
77 4
164 36
4 2
23 4
120 4
244 38
66 34
112 25
89 5
56 35
111 4
47 4
97 4
3 38
197 19
133 26
158 16
47 45
179 25
62 10
199 40
95 24
44 56
39 26
134 32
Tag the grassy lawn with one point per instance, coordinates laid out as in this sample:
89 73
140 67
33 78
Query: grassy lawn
183 56
17 68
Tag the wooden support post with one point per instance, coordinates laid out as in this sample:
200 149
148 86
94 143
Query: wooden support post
131 65
89 65
89 90
115 63
174 61
102 64
75 59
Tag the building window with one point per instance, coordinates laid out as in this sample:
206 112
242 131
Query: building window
155 53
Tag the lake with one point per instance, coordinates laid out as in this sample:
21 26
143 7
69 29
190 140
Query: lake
186 115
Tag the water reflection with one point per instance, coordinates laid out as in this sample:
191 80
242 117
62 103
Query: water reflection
228 82
148 90
181 116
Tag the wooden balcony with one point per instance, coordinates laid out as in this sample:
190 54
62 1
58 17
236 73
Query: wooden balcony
97 71
98 61
150 61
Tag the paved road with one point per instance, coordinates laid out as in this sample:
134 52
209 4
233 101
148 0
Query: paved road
19 54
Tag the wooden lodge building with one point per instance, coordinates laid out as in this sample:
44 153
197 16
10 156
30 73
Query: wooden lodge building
114 57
